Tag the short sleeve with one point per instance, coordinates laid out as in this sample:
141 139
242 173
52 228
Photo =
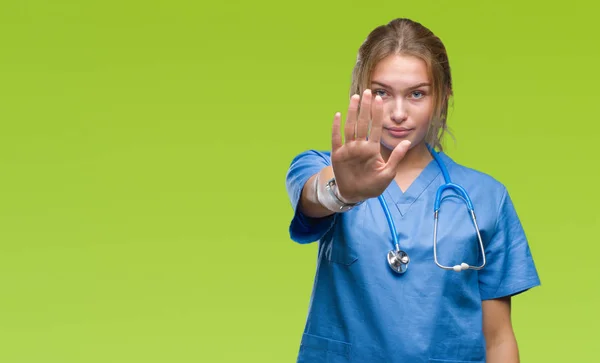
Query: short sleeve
305 229
510 268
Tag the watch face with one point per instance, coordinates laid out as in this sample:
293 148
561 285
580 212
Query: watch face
331 186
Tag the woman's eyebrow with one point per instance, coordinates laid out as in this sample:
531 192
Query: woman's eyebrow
422 84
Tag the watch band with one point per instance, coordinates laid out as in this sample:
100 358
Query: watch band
342 206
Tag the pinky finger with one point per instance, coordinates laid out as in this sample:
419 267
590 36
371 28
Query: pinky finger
336 136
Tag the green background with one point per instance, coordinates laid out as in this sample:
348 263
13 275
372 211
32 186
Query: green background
144 146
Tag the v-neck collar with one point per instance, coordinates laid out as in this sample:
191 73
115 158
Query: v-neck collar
404 200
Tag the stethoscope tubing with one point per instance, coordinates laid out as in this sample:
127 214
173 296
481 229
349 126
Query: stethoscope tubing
461 194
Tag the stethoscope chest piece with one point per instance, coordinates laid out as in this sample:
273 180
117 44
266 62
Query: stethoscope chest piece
398 261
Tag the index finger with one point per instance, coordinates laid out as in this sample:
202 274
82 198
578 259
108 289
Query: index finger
377 120
336 136
349 128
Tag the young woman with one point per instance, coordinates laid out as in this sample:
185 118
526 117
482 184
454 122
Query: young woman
397 281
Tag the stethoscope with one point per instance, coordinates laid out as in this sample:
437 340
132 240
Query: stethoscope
398 259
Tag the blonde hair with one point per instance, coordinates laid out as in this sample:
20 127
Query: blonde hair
407 37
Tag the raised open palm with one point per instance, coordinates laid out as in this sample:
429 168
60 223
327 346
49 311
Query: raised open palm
360 170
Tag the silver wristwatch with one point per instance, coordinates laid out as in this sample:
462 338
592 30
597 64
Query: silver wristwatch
331 187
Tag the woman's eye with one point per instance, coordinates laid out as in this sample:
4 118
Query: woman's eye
417 94
379 93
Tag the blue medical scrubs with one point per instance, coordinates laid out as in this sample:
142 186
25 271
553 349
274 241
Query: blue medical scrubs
361 311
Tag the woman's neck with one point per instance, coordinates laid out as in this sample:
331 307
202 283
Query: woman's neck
411 166
418 157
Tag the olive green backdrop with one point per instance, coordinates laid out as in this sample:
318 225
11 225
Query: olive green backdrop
144 146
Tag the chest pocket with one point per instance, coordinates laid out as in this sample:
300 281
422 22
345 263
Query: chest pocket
339 244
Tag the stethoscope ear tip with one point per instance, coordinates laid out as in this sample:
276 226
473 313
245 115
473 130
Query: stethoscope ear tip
462 267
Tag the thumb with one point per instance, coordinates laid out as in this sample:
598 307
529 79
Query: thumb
398 154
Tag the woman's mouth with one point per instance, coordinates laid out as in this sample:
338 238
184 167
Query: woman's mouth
398 131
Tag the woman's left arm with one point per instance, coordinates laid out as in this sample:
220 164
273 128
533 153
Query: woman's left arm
501 344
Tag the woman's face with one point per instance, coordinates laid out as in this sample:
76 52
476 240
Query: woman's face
403 83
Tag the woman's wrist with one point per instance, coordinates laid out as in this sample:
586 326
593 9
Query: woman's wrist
328 195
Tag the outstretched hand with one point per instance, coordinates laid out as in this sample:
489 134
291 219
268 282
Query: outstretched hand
360 170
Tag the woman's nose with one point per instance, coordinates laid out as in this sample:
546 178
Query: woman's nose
399 113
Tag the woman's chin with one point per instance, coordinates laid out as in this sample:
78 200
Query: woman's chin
391 143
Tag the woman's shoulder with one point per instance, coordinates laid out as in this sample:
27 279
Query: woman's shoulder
313 155
476 178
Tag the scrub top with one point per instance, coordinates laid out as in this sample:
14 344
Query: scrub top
362 311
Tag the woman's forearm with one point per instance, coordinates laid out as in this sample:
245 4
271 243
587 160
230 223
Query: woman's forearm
309 205
503 350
